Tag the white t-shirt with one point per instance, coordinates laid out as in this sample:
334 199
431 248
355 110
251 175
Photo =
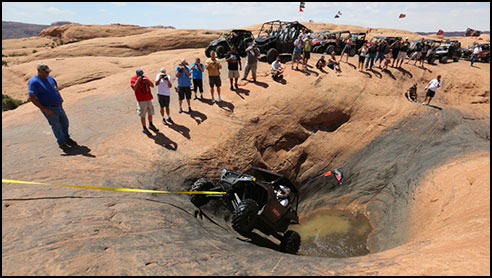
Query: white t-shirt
477 50
276 65
163 87
433 84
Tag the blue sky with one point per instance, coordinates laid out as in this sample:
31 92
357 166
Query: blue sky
420 16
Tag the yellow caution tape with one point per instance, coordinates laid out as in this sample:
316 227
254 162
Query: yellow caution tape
116 188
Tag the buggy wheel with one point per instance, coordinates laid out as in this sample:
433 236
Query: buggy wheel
200 185
207 52
456 59
352 52
221 51
244 217
330 49
271 55
431 60
290 243
443 60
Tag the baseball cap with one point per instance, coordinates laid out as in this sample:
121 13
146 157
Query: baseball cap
140 72
163 70
44 67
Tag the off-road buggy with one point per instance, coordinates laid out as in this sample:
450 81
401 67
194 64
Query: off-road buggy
251 196
238 38
277 37
446 50
335 42
483 57
319 39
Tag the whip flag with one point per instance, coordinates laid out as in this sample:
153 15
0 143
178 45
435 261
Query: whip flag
402 15
440 32
301 6
338 14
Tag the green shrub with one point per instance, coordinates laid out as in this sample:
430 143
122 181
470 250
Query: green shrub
4 63
34 51
9 103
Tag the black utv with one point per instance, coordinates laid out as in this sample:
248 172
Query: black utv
251 196
448 50
238 38
277 37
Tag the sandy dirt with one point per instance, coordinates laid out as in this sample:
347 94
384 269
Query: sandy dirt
420 174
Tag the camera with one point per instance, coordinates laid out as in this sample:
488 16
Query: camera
180 68
165 76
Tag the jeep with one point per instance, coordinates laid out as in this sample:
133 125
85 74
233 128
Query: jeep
446 50
238 38
483 57
277 37
251 196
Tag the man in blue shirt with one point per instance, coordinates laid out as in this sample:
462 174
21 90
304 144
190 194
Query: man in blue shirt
197 69
184 84
43 93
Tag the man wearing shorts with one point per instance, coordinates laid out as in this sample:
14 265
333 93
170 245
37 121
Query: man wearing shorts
164 83
402 53
141 85
233 63
296 54
197 69
184 84
431 89
307 51
213 67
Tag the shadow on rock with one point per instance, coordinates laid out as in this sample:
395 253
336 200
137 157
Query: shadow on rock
389 73
183 130
404 71
378 74
78 150
258 240
197 116
242 91
227 106
161 139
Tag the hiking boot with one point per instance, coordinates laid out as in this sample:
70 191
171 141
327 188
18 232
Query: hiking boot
71 142
152 126
201 96
145 130
194 98
64 147
213 100
237 87
170 120
180 110
231 88
164 121
189 109
219 100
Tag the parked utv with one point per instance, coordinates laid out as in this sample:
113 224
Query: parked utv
277 37
238 38
319 39
483 57
252 198
447 50
335 42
